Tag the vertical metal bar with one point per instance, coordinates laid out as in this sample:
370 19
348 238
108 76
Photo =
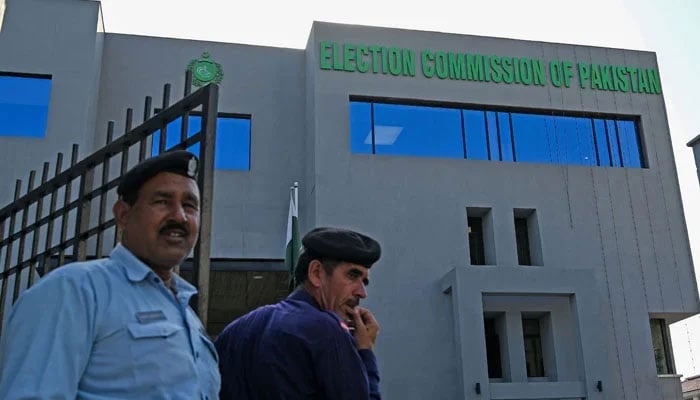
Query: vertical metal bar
37 229
52 209
8 256
22 239
125 161
185 125
82 217
164 128
103 195
65 212
143 145
202 251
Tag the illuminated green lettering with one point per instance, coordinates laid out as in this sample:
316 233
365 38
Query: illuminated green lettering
596 82
507 64
538 70
475 67
409 62
394 61
375 58
633 79
427 63
349 57
362 64
441 67
567 67
584 74
326 53
606 77
496 69
654 81
458 69
623 79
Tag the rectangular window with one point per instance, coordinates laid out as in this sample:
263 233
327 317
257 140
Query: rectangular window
490 134
494 333
24 105
482 250
534 356
527 237
662 346
232 148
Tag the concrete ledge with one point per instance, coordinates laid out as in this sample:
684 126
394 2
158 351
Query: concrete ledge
537 390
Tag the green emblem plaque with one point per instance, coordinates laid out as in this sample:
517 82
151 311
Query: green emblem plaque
205 70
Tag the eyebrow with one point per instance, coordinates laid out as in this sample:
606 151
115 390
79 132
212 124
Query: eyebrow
356 270
170 195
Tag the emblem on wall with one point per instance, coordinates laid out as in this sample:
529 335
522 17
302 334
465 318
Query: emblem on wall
205 70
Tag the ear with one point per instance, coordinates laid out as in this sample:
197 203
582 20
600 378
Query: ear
315 273
121 212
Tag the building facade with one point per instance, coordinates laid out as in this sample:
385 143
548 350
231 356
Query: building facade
525 193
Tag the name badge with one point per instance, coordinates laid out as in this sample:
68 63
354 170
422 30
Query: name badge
146 317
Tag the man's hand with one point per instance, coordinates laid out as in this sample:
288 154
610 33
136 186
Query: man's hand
366 328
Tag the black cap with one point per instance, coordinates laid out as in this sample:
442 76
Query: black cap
179 162
342 245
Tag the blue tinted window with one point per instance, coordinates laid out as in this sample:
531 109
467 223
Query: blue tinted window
24 105
613 142
361 127
232 148
475 135
493 140
493 135
574 140
417 131
534 138
505 135
601 140
627 133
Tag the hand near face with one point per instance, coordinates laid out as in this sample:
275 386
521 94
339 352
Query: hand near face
366 328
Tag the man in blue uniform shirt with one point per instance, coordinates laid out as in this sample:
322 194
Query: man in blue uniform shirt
315 344
119 327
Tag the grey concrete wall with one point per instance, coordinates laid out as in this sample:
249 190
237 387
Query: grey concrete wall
250 207
625 226
61 38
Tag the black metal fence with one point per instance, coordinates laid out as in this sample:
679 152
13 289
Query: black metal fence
66 216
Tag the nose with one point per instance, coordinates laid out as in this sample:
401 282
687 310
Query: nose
178 214
361 291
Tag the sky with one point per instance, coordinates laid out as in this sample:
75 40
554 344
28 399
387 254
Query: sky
669 28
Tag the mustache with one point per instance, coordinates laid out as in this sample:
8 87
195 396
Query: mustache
353 302
174 225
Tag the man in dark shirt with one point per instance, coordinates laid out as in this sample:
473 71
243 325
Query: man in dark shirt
315 344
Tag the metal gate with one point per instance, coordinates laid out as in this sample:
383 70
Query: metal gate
64 218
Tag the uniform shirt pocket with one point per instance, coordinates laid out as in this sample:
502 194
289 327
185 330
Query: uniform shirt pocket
153 330
161 355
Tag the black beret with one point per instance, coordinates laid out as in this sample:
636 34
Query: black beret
342 245
179 162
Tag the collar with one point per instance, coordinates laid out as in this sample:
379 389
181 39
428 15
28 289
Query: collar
136 271
299 294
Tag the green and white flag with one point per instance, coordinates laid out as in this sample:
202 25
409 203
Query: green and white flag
293 239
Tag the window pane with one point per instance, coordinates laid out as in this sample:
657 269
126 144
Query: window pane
493 349
475 133
613 142
24 106
417 131
574 140
601 139
661 346
629 144
504 134
534 360
360 127
534 137
232 148
494 142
